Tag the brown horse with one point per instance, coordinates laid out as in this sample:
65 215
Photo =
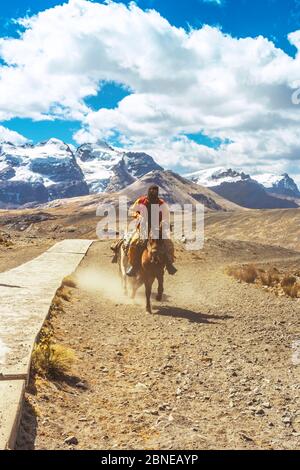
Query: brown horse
152 267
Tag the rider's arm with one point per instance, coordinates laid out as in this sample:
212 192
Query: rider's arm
133 210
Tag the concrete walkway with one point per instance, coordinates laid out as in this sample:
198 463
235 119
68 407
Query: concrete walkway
26 293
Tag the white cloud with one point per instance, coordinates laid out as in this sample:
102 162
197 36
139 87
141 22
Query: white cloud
182 82
6 135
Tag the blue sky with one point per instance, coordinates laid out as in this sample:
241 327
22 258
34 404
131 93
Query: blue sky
195 98
273 19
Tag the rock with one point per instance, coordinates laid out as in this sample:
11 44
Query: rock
71 440
259 412
245 437
151 412
140 387
266 405
163 407
82 385
287 420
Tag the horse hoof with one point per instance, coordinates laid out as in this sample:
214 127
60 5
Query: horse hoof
159 298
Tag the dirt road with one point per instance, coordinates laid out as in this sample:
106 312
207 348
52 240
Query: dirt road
212 368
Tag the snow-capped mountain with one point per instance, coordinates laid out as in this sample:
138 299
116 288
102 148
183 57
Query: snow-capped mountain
52 169
39 172
216 176
108 169
279 184
242 189
97 162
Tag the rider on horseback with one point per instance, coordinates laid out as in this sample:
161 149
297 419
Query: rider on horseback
136 245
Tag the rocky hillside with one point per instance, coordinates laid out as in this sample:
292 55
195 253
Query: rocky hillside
175 189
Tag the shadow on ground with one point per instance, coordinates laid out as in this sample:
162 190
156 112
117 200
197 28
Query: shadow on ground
192 316
28 428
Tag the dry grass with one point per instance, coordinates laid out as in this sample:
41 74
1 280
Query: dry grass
247 273
64 293
290 286
288 280
272 279
292 291
57 304
5 240
69 281
269 278
50 359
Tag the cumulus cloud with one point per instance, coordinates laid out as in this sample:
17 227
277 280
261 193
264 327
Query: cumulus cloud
6 135
181 82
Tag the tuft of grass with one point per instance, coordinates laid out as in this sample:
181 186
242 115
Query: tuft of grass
291 290
288 280
63 293
57 303
247 273
50 359
269 278
5 241
69 281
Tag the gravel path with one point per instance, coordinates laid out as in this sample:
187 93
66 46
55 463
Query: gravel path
212 368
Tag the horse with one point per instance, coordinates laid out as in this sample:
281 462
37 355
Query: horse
152 267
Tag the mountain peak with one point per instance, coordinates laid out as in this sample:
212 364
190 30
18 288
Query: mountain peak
281 184
216 176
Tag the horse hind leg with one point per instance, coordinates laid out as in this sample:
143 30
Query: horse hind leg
148 289
160 288
122 270
134 288
125 290
136 282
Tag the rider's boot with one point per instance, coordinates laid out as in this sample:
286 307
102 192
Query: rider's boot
169 265
171 268
115 258
132 271
134 256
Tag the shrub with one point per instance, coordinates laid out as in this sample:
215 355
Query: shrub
52 359
292 290
63 293
69 281
269 278
247 273
288 280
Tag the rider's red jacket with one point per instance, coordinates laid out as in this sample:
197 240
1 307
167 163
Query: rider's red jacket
144 201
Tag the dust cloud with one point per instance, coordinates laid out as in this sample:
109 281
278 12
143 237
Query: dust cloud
108 285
